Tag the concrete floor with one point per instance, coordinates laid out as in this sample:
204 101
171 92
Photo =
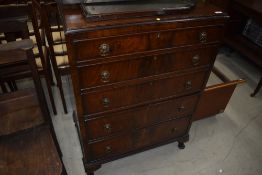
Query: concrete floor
229 143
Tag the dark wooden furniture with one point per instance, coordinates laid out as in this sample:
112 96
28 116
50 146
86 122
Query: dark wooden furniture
13 24
18 110
48 15
240 11
138 81
27 126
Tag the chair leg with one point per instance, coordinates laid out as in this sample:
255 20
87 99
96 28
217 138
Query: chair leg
50 93
3 87
15 86
63 168
49 79
11 85
257 88
60 86
59 82
49 70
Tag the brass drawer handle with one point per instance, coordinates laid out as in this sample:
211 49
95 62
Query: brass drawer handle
105 76
104 49
108 149
195 60
107 127
188 85
203 37
106 102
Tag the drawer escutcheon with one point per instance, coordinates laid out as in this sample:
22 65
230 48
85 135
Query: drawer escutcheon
107 127
155 58
181 108
174 130
106 102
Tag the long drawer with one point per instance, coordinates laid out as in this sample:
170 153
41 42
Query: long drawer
111 72
140 117
112 98
138 139
121 45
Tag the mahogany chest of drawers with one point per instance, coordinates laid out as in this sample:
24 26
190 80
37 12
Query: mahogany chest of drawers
137 81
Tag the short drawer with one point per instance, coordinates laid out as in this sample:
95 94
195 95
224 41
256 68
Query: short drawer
121 45
146 66
140 117
138 139
112 98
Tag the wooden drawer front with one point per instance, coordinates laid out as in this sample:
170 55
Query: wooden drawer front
139 139
129 95
141 117
146 66
91 49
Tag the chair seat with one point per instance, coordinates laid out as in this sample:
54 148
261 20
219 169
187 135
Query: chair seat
30 153
19 71
10 57
19 110
26 43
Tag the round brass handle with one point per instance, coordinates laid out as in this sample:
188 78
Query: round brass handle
106 102
105 76
188 85
108 149
195 60
203 37
107 127
104 49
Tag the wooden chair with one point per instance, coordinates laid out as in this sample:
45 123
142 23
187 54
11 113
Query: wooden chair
52 26
13 24
28 143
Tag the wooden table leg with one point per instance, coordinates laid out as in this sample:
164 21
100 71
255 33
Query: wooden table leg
257 88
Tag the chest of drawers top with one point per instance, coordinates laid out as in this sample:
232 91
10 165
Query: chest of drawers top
80 28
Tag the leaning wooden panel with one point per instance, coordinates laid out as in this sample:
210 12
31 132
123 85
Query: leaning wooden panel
214 99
